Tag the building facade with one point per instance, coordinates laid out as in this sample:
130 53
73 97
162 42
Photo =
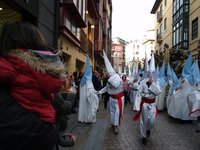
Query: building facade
77 27
118 54
180 23
42 13
85 27
194 24
163 24
136 49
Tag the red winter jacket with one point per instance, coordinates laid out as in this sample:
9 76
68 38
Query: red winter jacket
29 82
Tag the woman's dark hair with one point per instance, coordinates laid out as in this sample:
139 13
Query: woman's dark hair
22 35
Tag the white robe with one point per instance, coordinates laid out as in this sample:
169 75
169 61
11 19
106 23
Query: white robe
148 114
178 107
160 99
170 93
88 103
113 87
194 103
147 118
135 95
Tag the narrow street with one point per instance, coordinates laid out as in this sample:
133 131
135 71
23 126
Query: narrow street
168 134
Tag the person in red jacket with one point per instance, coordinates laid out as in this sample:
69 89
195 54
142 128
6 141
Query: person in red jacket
32 72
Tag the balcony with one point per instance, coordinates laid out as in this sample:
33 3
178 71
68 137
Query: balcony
69 35
86 44
159 16
159 38
72 9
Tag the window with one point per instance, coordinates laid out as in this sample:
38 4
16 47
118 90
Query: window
177 5
161 9
194 28
180 35
180 24
185 8
160 29
80 7
68 21
84 9
75 2
181 2
165 24
174 7
165 2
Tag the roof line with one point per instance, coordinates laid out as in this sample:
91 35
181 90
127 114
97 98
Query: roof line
155 6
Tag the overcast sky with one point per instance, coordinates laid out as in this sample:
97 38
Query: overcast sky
131 18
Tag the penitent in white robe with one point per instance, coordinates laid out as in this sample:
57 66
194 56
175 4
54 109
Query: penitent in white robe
160 99
194 103
178 107
88 103
113 87
148 112
135 96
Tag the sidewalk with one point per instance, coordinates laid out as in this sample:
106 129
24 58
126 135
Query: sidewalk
89 136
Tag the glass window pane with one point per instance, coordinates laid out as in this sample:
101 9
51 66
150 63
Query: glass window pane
178 5
68 21
80 7
75 2
173 38
180 33
181 2
84 9
181 10
78 35
185 34
73 30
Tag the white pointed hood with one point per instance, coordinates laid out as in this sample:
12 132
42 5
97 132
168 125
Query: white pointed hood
133 72
146 65
129 72
152 67
136 68
109 68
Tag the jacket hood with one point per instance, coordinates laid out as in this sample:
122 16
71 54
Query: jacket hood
44 62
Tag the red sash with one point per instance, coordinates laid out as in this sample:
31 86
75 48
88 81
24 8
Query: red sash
119 99
144 100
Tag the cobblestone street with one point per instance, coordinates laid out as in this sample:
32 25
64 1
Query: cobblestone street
168 134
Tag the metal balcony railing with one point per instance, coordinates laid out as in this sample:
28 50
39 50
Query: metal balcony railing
159 37
159 16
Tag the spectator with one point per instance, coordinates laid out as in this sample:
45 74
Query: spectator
114 87
126 89
96 81
105 95
31 72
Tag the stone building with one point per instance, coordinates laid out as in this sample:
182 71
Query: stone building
177 28
76 27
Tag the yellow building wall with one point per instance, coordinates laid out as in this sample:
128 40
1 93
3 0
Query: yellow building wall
194 13
166 34
75 54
